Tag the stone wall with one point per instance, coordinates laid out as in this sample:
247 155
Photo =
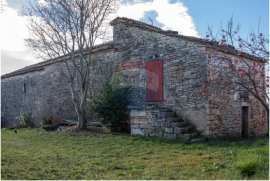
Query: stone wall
181 62
49 94
226 122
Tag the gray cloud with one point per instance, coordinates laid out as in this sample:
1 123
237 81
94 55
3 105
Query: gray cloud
10 63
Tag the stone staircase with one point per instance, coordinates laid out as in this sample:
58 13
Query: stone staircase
173 127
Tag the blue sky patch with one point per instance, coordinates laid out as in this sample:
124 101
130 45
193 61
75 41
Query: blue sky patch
153 15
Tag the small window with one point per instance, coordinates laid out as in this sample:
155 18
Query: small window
24 88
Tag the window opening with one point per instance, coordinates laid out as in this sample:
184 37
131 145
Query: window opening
24 88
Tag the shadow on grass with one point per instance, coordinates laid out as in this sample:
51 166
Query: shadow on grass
256 141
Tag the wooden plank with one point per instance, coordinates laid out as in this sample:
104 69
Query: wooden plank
154 81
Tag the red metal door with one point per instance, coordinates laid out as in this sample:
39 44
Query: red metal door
154 81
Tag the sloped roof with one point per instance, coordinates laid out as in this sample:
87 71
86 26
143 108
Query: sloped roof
141 25
39 66
207 43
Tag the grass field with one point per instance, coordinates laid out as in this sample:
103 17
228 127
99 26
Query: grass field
36 154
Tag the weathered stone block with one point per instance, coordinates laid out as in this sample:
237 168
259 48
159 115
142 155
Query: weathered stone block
145 126
173 119
184 98
137 131
155 134
161 120
166 115
169 136
153 114
134 126
168 125
184 136
138 113
179 124
147 131
138 121
168 130
152 120
180 130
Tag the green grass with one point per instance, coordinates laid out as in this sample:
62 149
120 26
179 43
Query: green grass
35 154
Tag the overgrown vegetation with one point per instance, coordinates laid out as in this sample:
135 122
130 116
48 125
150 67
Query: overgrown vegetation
48 120
25 118
110 106
16 126
36 154
254 161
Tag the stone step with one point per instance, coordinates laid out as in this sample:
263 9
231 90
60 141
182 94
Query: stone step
160 107
181 130
166 115
178 124
185 137
175 119
161 110
198 140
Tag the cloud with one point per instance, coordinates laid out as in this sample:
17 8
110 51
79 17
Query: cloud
13 30
171 16
13 33
10 63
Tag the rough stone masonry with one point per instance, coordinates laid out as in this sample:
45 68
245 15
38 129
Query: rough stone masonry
41 90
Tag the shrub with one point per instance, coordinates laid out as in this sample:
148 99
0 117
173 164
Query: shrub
25 118
48 120
247 165
49 127
110 106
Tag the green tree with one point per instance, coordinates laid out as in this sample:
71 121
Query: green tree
110 106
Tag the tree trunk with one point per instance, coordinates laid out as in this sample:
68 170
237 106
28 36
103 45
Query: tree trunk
82 120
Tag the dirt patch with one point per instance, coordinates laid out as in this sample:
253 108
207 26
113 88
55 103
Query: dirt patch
75 129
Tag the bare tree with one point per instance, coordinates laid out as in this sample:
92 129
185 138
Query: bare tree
2 6
245 71
65 31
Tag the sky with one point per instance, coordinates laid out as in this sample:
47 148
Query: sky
188 17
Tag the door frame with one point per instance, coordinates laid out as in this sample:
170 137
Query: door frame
246 134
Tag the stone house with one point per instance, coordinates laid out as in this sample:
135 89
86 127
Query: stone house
162 67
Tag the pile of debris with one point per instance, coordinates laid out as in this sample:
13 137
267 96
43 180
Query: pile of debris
73 126
68 123
71 129
74 123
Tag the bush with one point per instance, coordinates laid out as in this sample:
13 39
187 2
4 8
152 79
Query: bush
50 127
48 120
110 106
26 119
247 165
